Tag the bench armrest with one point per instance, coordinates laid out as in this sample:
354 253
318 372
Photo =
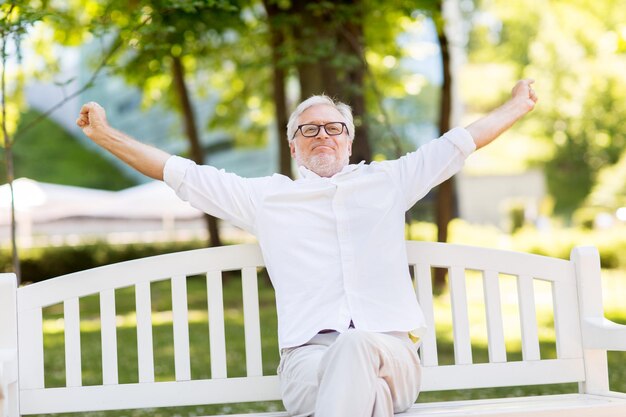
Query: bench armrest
601 333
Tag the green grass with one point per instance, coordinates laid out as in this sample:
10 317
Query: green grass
54 361
48 153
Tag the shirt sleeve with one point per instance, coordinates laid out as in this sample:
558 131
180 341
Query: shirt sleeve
214 191
418 172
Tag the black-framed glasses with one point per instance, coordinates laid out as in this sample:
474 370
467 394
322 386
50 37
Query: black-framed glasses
310 130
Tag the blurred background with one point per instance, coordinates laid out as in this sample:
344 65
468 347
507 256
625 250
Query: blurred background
215 81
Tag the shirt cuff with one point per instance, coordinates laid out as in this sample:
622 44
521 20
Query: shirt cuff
462 139
174 171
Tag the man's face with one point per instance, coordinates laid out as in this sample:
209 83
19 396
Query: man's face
323 154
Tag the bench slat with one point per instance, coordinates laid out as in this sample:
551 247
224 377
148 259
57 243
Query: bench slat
424 290
159 394
460 318
180 312
528 318
566 322
570 405
30 331
149 395
487 375
217 339
493 311
481 259
108 332
124 274
145 354
71 317
252 322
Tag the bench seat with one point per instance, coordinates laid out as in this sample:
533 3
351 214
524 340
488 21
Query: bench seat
572 405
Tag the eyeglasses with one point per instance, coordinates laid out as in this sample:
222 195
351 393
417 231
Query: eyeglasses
310 130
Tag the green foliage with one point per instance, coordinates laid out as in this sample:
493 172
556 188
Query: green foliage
556 242
559 242
48 153
610 190
223 49
578 75
43 263
15 19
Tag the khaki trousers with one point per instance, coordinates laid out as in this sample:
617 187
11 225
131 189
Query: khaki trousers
352 374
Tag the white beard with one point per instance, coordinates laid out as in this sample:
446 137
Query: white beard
324 165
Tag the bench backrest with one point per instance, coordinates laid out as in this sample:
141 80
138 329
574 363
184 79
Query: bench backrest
568 366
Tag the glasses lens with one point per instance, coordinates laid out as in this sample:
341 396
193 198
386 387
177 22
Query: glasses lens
310 130
333 128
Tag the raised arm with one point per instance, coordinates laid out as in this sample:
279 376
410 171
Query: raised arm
144 158
489 127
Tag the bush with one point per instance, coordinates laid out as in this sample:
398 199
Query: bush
556 242
43 263
611 243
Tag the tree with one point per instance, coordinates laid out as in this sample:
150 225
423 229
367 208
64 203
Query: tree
321 42
7 30
177 34
445 203
279 80
609 192
582 91
15 19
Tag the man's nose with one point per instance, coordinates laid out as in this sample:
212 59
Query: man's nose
321 134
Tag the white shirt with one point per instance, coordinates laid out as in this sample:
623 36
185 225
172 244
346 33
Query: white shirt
334 247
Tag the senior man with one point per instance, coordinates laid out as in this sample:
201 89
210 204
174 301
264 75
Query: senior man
333 243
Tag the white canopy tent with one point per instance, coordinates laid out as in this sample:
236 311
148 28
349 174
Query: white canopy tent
148 207
43 201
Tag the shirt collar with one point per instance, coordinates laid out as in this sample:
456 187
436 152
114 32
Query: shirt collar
308 174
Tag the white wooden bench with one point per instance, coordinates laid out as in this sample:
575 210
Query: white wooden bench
583 335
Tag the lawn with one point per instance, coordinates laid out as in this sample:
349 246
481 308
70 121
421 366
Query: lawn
614 285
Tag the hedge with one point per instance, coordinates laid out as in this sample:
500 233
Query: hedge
40 264
43 263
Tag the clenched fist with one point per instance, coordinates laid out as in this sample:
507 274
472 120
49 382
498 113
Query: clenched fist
524 92
92 120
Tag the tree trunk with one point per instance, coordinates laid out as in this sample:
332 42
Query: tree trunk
445 192
8 152
352 43
312 36
326 42
278 85
191 131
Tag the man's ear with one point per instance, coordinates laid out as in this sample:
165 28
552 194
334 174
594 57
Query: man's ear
292 148
350 148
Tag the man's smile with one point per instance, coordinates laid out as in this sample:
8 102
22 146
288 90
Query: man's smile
324 148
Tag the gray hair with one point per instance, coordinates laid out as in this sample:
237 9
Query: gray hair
344 109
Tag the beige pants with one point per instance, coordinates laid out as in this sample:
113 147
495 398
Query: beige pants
352 374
